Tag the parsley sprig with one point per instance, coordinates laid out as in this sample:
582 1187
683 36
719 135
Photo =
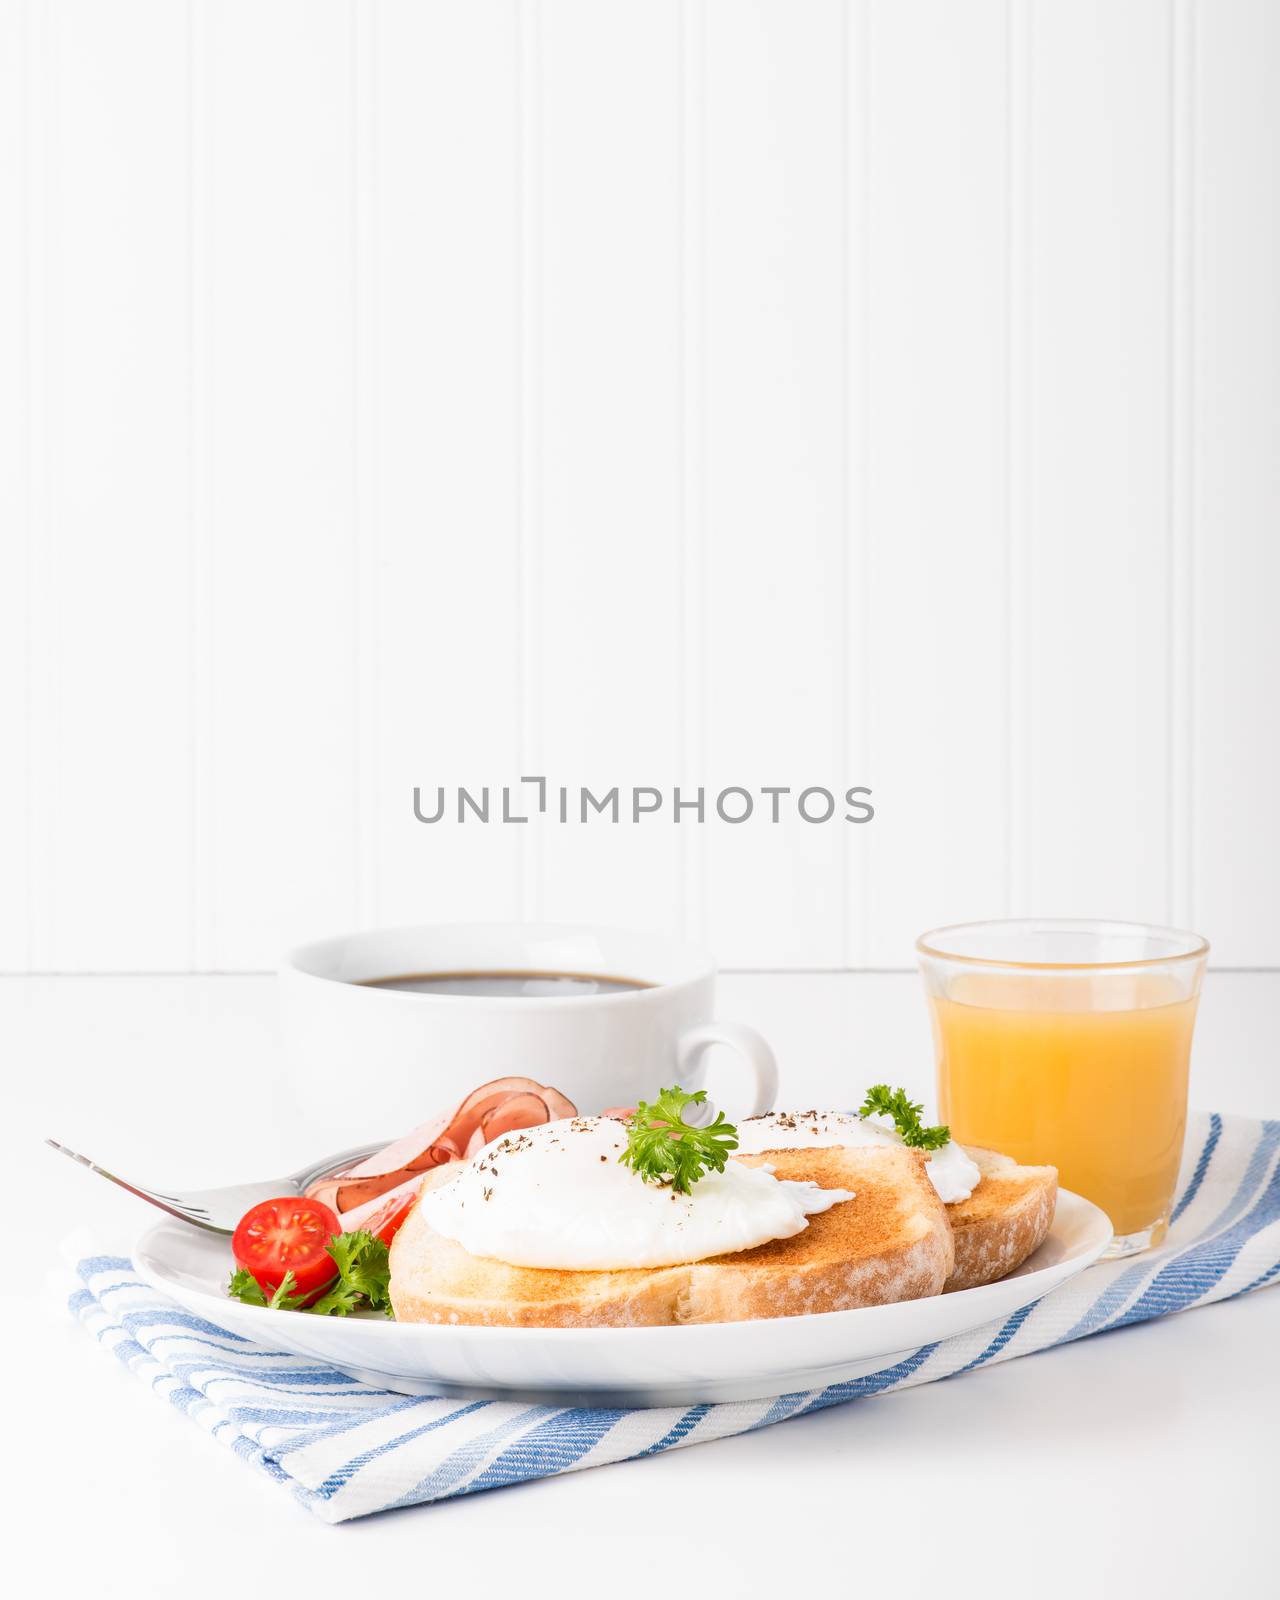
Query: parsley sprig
665 1149
244 1286
364 1276
906 1117
363 1279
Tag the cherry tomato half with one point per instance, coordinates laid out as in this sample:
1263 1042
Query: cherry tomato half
386 1221
287 1235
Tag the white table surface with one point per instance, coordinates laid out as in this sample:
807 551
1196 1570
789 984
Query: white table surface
1136 1463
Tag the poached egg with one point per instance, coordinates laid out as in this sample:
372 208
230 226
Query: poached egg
557 1196
950 1170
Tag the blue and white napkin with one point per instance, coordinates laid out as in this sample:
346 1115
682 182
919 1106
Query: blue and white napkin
347 1450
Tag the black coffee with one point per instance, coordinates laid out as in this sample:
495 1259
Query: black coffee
509 985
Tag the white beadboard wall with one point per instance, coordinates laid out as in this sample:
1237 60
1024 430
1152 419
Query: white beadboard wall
403 392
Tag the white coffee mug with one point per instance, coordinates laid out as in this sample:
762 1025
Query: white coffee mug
370 1062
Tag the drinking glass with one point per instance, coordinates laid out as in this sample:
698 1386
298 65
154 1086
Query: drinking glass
1068 1042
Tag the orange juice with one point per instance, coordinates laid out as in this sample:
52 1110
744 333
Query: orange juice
1062 1068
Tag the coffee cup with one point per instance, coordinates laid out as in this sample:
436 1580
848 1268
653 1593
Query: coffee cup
385 1028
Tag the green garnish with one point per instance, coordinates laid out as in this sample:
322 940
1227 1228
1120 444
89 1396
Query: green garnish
906 1117
363 1279
663 1148
244 1286
364 1276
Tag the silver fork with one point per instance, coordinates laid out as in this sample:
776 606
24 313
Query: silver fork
218 1210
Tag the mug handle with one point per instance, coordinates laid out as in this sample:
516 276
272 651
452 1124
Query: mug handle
749 1046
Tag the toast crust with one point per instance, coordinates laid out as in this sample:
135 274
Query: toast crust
1004 1220
891 1242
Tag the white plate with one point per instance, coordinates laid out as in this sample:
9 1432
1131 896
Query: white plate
617 1366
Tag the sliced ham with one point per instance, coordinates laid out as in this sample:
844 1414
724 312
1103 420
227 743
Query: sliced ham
351 1220
504 1106
516 1111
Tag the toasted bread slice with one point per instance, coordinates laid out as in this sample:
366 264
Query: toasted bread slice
1003 1221
890 1242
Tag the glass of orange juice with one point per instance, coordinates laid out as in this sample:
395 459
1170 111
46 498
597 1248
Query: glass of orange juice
1068 1042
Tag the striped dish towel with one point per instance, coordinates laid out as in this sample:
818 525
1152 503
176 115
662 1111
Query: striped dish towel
346 1450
